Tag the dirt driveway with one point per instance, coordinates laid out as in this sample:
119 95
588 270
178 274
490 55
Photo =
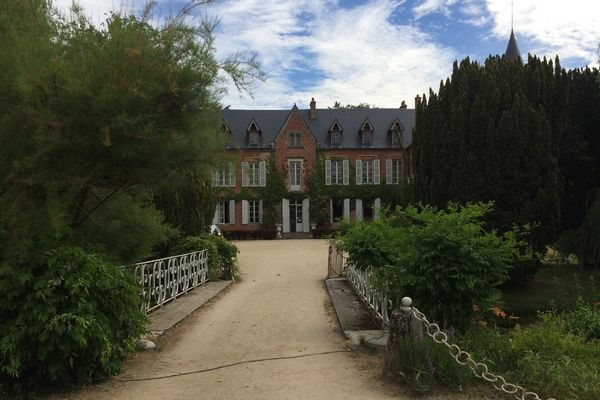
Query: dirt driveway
278 309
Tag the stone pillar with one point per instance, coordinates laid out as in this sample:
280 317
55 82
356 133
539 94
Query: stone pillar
402 326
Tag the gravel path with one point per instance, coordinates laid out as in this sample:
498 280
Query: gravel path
279 309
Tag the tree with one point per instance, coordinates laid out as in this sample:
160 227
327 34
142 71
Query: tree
95 123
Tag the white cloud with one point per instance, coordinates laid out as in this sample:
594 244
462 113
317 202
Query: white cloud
433 6
359 54
570 29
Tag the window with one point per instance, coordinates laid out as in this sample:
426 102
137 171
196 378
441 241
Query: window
335 138
295 139
367 172
394 171
336 172
337 209
295 174
254 212
224 176
253 139
367 138
395 139
253 174
224 217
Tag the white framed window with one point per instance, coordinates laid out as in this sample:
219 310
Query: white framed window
395 139
393 171
226 212
295 174
367 172
254 211
254 173
336 172
224 176
295 139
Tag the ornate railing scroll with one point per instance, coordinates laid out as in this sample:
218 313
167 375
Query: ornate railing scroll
364 284
165 279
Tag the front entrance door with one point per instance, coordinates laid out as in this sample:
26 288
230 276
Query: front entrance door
296 215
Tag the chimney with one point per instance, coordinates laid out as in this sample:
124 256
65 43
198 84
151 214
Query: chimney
313 109
417 101
403 104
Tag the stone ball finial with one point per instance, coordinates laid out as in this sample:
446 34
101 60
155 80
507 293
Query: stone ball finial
406 302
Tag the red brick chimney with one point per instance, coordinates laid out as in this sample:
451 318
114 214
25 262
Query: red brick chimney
313 109
417 101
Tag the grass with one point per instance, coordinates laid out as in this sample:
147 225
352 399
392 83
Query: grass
555 287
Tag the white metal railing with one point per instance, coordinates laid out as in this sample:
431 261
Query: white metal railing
165 279
364 284
336 262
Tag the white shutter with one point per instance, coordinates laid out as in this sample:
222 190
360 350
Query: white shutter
245 177
377 208
216 216
376 172
388 172
245 213
260 211
231 173
305 215
285 215
232 211
346 168
328 172
359 210
262 170
358 172
347 209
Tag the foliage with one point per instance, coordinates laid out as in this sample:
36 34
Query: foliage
444 260
187 201
222 254
70 319
583 320
424 364
96 124
523 136
320 193
337 104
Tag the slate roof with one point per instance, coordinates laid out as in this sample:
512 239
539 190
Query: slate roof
512 50
270 123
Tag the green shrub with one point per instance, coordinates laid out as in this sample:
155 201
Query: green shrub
443 259
584 320
222 254
67 321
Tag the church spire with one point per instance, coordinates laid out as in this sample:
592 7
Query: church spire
512 50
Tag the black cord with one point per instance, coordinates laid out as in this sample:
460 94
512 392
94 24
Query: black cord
200 371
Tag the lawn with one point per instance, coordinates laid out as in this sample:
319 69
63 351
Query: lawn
555 287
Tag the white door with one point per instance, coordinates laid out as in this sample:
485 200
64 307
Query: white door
296 215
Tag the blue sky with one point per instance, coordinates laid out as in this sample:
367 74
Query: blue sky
382 51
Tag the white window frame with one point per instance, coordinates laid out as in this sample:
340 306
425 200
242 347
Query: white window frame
224 176
367 138
367 172
394 171
255 211
335 138
254 174
295 181
254 139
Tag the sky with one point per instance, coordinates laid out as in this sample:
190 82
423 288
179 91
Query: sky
379 52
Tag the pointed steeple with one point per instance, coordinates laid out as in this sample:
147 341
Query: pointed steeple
512 50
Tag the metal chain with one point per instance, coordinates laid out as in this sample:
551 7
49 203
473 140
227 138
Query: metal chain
464 358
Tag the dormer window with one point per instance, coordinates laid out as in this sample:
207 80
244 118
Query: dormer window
224 130
396 134
366 133
253 135
335 134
